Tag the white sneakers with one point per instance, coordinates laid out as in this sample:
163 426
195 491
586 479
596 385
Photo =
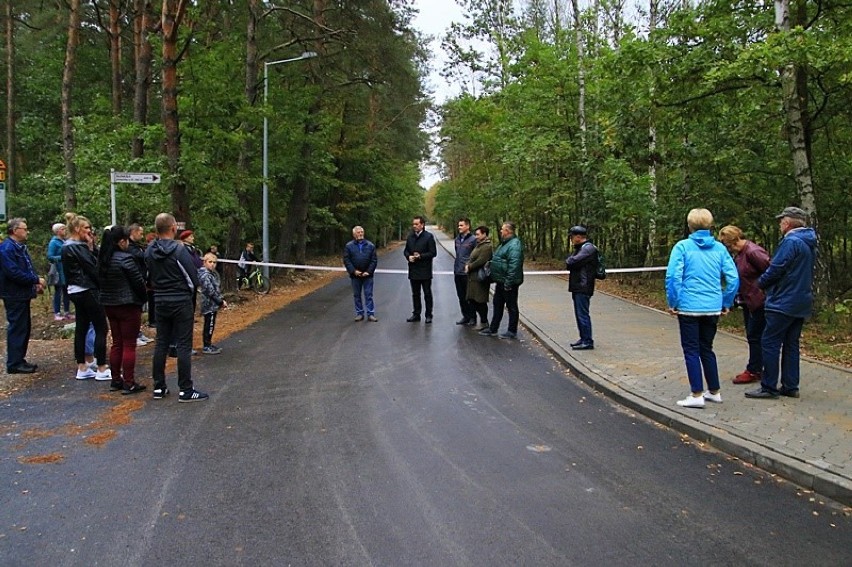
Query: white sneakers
89 373
698 402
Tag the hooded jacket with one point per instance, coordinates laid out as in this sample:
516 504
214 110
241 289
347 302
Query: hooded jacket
701 278
211 293
171 272
54 256
751 262
789 278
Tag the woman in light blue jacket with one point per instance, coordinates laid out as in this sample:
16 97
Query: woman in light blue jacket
701 282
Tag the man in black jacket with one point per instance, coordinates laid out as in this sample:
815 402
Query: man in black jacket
582 266
174 279
420 251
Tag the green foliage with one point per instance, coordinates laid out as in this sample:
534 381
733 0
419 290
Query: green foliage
707 82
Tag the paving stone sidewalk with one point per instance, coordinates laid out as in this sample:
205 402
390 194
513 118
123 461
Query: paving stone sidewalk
638 361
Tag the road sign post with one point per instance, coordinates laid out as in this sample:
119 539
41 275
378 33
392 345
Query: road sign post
126 177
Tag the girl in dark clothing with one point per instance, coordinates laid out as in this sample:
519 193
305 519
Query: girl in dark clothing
80 261
122 295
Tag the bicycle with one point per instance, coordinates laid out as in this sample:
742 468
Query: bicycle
256 281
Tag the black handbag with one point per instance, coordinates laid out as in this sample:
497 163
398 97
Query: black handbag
484 273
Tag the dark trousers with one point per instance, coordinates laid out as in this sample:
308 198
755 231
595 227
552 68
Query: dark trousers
174 321
89 311
696 339
124 324
781 339
509 301
467 310
18 330
152 309
482 310
209 327
755 323
426 286
581 314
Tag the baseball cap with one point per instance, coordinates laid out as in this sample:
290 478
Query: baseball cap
793 213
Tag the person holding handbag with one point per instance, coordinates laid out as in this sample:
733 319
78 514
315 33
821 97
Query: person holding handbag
478 289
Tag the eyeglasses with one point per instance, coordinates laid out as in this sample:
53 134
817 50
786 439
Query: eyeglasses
25 229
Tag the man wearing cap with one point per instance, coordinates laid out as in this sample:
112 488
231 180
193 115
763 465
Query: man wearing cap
582 265
787 283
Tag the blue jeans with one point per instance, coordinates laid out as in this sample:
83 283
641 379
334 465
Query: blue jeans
781 339
18 330
365 285
61 299
696 339
581 314
755 322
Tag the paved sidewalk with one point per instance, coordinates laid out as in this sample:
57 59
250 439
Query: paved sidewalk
638 362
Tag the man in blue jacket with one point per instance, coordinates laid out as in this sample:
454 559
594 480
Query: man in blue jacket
582 266
19 284
360 259
788 283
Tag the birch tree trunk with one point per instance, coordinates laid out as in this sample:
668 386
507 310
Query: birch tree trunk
795 109
651 249
67 91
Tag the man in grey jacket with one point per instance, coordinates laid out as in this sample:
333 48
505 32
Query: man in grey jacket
174 279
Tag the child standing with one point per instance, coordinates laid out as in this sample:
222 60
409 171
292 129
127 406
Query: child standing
211 301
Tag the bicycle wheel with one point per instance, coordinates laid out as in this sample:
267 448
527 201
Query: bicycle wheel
260 283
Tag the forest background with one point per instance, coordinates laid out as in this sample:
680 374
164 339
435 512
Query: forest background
618 114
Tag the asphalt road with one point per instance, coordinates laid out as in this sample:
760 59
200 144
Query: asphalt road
329 442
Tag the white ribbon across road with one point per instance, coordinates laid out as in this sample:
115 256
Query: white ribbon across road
437 273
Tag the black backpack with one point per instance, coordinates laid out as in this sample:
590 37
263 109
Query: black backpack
600 273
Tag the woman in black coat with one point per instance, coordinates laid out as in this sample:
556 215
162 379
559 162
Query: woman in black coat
122 295
80 261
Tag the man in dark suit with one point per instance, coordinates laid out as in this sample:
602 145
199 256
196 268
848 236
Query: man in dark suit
420 251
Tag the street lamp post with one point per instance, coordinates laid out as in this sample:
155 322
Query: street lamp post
266 66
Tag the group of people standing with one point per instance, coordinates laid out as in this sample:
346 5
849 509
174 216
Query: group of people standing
473 252
108 283
703 282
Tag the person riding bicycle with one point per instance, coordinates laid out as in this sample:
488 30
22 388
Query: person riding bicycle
243 269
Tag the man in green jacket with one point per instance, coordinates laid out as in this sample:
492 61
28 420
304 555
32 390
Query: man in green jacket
507 272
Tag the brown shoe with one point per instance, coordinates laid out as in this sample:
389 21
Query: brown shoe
747 377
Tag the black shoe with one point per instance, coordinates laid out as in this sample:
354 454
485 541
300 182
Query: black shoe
192 396
576 343
487 332
789 393
471 323
28 365
762 394
160 393
413 319
116 386
134 389
583 346
428 320
463 321
22 369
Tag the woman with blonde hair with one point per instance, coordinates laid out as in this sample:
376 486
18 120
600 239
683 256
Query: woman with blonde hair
751 261
80 260
701 282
